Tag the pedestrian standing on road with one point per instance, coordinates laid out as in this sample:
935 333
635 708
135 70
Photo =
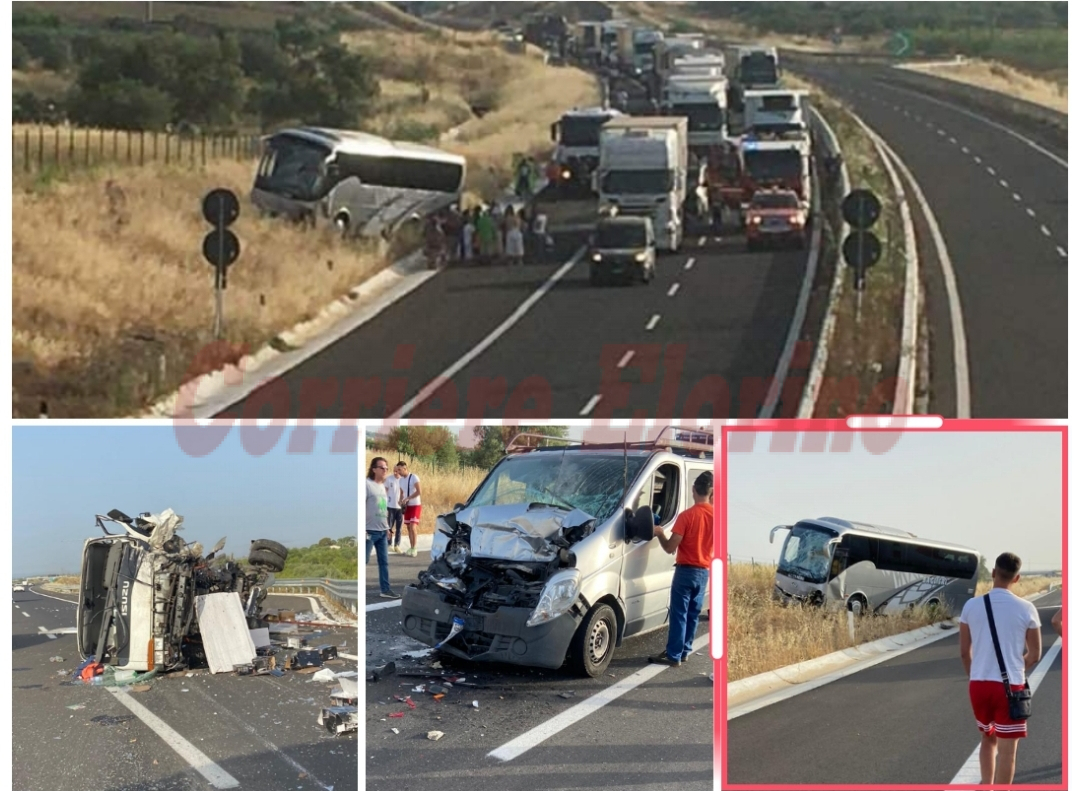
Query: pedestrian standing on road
1020 638
410 502
378 525
692 539
393 507
515 239
468 234
485 232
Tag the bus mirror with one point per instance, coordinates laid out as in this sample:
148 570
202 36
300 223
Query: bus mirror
772 532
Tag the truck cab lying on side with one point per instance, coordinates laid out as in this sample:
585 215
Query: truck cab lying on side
137 591
552 561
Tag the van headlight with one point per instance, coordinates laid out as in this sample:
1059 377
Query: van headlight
559 595
597 257
641 257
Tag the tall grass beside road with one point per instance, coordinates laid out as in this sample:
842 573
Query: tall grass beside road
764 635
1025 586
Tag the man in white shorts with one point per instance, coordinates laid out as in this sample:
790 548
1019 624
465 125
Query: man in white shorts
409 485
1018 628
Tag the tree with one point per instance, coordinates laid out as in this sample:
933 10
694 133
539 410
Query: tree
984 570
325 542
446 455
492 441
121 104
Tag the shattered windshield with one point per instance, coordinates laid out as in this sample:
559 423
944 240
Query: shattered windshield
806 554
293 167
590 482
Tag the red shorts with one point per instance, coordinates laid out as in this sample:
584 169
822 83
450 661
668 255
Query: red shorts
412 514
991 709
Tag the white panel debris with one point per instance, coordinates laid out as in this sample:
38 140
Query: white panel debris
224 629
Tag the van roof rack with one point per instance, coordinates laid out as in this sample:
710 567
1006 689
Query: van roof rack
675 439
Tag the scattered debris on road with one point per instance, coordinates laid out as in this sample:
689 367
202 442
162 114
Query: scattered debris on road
435 735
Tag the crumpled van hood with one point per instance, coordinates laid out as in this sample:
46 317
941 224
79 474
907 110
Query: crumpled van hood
515 532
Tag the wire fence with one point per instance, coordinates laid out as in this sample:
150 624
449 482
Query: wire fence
36 148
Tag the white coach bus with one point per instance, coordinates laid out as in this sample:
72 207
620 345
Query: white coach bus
868 568
361 183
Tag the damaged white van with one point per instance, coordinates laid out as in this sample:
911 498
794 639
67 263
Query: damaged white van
552 559
138 587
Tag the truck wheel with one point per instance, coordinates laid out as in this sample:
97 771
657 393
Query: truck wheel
594 642
262 544
267 559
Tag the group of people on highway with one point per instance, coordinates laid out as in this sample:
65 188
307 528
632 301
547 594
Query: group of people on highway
486 235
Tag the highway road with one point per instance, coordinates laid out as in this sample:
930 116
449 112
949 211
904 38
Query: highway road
1002 207
905 721
657 736
253 732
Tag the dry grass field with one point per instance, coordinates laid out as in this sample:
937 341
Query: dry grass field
764 635
112 301
1004 79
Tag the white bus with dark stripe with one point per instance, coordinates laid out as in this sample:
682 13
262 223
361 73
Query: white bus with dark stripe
869 568
360 183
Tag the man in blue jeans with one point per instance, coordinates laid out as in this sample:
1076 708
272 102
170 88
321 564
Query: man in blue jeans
377 524
692 539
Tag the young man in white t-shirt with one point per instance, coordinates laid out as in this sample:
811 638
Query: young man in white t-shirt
393 500
410 501
1018 629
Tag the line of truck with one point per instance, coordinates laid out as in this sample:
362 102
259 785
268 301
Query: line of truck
719 138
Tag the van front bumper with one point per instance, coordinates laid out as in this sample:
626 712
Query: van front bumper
501 636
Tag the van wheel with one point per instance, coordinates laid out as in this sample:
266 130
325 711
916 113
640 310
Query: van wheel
594 642
266 559
858 604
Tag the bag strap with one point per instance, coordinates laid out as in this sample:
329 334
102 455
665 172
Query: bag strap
997 645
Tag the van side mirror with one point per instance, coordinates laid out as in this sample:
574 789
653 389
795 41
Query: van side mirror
458 506
639 524
554 131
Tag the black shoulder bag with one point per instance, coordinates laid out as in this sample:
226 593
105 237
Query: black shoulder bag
1019 701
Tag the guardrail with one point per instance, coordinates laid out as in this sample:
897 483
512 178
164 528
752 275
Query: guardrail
342 592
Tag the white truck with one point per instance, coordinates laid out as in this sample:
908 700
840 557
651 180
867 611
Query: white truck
703 101
700 63
646 41
577 144
643 172
775 111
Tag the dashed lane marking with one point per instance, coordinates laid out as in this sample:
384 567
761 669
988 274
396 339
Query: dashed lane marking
626 358
590 406
652 323
673 290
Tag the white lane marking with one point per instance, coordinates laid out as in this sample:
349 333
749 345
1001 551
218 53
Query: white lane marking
383 605
673 290
1003 183
1062 252
952 140
652 322
1027 141
626 358
214 774
991 171
978 160
689 264
941 132
590 406
24 612
1045 230
969 773
560 722
701 242
1031 212
17 607
956 313
47 596
270 746
440 381
965 150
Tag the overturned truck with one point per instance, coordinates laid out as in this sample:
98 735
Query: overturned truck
138 590
552 562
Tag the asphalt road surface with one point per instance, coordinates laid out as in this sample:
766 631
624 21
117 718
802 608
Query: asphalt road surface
253 732
1002 207
655 737
702 340
905 721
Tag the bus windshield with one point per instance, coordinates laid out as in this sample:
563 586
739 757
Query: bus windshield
294 168
806 555
758 69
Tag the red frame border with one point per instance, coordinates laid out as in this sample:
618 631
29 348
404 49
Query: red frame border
720 541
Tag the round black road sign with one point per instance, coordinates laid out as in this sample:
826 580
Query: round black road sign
221 208
861 209
221 247
862 249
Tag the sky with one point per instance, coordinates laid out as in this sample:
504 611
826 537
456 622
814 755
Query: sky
63 476
995 492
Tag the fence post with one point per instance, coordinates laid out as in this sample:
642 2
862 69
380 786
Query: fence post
167 137
71 145
191 161
203 136
142 147
116 145
128 134
41 147
86 148
56 142
26 150
101 145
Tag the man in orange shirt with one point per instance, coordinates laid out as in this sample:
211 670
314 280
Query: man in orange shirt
692 538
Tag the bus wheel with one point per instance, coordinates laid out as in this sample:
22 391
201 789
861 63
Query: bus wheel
341 224
857 604
933 607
